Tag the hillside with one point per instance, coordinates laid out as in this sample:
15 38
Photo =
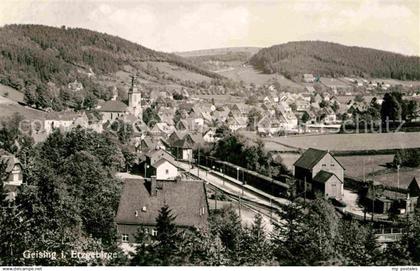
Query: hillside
330 59
41 61
221 59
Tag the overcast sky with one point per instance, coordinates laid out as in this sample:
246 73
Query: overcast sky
171 25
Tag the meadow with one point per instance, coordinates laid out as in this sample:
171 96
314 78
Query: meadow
347 142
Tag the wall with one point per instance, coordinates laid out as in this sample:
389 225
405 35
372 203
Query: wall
161 171
331 165
334 188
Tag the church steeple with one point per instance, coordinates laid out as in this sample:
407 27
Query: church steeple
133 88
134 99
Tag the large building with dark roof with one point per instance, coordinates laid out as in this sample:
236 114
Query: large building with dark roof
320 172
141 201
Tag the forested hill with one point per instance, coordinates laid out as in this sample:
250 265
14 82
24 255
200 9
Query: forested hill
41 60
332 59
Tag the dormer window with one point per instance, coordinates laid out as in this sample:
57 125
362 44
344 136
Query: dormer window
136 213
144 209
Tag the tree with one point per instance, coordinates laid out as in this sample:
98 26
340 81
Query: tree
287 246
358 244
150 117
167 237
255 248
144 254
254 116
390 109
305 117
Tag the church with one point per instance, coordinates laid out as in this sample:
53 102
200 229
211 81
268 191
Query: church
114 109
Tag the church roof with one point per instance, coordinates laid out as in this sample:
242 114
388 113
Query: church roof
113 106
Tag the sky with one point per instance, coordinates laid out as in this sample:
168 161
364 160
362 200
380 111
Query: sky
179 25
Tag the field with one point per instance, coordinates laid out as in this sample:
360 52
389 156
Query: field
221 99
219 51
348 142
8 109
249 75
11 93
390 177
180 73
355 165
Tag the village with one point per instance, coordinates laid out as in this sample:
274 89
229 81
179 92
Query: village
168 132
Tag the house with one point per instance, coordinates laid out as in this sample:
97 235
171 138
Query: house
162 129
182 149
329 115
182 144
302 105
382 199
269 125
240 109
13 170
319 172
161 164
64 121
209 136
235 122
75 86
112 110
176 135
308 78
285 114
148 143
142 200
309 89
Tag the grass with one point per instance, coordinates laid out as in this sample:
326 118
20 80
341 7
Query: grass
348 142
249 75
7 110
390 176
179 73
11 93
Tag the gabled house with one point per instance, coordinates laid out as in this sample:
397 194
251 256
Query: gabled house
148 143
161 129
142 200
112 110
285 114
269 125
320 172
13 171
209 136
329 115
161 164
183 144
235 122
239 109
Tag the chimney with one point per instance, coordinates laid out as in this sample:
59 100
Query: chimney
153 186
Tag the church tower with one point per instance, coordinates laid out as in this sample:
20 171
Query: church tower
134 99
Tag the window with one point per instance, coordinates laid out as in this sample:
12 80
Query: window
124 238
332 165
324 165
167 171
154 232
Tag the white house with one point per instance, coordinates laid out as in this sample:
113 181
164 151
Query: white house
161 164
64 121
321 172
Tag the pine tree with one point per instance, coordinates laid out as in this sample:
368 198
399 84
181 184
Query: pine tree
167 237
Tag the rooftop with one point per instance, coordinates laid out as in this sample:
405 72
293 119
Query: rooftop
185 198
